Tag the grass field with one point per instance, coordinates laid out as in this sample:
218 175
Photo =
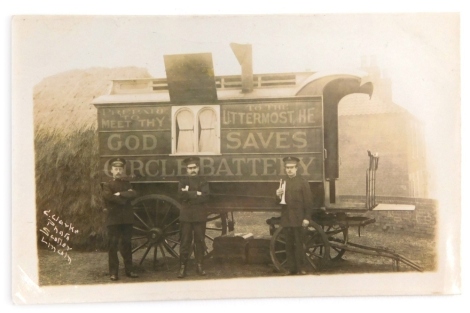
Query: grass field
92 267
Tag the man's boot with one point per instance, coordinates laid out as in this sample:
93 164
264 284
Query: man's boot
183 264
200 270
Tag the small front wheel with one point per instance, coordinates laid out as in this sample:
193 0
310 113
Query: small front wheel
316 247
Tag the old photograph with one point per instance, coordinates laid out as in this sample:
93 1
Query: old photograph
220 157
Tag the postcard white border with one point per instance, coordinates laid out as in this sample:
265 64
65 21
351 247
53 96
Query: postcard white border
24 261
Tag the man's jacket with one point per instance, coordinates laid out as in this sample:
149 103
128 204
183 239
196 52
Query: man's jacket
119 207
193 206
299 202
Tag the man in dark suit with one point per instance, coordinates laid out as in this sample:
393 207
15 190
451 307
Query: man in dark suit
295 214
193 192
118 194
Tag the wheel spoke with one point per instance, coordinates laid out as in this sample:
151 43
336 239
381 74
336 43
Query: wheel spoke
138 247
209 237
141 220
214 228
310 261
318 255
280 251
156 212
173 232
172 222
166 214
148 214
171 250
161 250
280 241
145 254
140 229
172 240
155 255
137 238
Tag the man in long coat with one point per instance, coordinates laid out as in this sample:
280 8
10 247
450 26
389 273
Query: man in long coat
295 214
193 192
118 194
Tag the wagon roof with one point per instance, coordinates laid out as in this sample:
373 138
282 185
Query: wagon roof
228 87
221 95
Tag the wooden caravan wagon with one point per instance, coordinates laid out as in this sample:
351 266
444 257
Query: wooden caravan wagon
241 127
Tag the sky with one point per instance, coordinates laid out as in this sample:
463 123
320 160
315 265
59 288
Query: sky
421 53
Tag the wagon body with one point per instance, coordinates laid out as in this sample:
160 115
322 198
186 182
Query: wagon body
241 136
251 138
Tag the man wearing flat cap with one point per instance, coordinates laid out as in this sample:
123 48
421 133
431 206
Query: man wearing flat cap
295 214
118 194
193 191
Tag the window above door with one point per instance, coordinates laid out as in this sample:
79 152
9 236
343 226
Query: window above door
195 129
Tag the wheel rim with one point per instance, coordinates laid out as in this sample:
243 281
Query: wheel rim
156 226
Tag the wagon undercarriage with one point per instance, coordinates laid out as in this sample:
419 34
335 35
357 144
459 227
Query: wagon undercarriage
326 239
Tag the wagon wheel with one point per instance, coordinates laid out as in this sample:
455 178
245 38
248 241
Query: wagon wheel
156 225
336 233
316 247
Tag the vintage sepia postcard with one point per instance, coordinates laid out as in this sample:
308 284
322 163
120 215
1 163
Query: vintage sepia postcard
235 156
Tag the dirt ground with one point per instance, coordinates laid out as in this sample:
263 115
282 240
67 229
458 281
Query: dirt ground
92 267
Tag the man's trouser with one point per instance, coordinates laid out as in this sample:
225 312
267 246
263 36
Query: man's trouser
294 248
124 233
196 230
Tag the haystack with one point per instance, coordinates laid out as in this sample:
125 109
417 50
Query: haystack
66 150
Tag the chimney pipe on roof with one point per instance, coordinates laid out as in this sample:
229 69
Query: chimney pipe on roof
244 56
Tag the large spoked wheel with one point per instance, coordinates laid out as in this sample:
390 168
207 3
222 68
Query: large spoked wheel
338 234
156 226
316 247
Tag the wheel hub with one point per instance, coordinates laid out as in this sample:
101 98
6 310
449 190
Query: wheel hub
155 235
